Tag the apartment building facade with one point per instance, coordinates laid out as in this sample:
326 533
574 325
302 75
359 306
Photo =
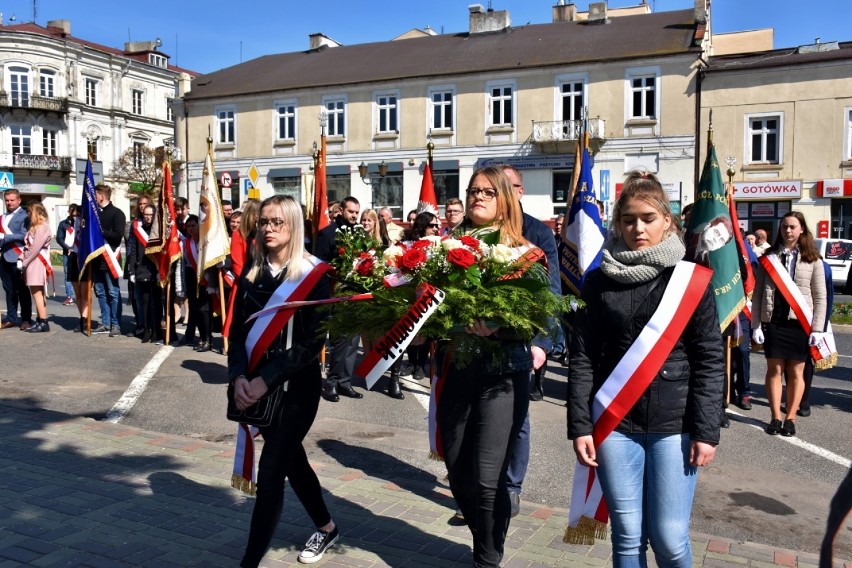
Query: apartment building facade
496 93
63 98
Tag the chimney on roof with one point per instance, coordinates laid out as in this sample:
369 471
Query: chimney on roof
701 9
563 12
597 13
319 41
61 26
490 21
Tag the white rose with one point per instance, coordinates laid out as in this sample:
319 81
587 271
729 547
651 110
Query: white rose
434 239
450 244
501 253
392 252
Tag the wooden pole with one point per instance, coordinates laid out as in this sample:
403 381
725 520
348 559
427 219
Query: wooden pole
224 309
89 300
168 307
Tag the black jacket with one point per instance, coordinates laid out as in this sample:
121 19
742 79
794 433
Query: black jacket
113 223
684 397
277 364
61 231
138 264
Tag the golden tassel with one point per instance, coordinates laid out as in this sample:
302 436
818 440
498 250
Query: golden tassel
826 363
586 531
243 484
435 456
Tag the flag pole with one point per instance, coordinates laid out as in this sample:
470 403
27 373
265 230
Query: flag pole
224 309
89 300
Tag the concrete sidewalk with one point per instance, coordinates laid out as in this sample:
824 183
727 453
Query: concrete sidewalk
77 492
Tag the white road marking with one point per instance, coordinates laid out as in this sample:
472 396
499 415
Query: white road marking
420 392
137 386
816 450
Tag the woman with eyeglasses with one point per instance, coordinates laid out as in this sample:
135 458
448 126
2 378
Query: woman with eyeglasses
483 405
290 360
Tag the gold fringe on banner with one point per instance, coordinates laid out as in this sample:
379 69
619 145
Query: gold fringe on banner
243 484
826 363
586 531
435 456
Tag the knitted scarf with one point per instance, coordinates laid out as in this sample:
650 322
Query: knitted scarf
637 266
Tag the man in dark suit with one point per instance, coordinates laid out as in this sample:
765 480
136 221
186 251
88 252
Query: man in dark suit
344 353
15 224
541 236
112 221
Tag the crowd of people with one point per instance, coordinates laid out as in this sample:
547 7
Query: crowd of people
664 429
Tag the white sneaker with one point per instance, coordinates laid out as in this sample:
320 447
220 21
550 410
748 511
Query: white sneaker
317 545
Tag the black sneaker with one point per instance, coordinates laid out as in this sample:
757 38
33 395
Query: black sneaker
317 545
114 331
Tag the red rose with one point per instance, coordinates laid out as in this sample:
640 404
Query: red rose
365 266
461 257
413 258
341 251
366 255
470 242
421 244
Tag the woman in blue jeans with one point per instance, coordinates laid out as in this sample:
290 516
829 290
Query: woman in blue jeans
647 465
483 405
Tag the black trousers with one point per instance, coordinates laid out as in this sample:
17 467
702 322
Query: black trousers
200 311
150 306
476 436
344 356
16 292
283 457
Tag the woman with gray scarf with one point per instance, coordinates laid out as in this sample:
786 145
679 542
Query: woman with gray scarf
647 464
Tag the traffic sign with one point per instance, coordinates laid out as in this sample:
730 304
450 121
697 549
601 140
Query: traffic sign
225 179
7 180
253 174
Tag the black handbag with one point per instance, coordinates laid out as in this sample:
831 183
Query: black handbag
262 413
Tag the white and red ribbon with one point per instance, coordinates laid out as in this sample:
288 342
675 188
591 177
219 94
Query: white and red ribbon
70 237
244 477
826 349
113 261
393 343
140 232
632 375
4 228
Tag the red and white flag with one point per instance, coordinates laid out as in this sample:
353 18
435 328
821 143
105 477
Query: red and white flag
428 201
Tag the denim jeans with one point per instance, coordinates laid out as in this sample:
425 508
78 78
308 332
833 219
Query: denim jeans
109 297
479 415
648 484
69 289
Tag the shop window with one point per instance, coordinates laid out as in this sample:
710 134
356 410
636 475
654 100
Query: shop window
291 186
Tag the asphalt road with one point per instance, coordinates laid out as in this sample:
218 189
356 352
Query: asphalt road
763 489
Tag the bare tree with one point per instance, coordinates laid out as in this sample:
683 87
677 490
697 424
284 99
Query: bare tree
137 167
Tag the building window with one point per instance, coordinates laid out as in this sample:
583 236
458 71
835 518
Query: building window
48 142
387 111
338 186
19 83
291 186
573 100
848 155
225 126
764 139
47 83
286 113
336 108
92 86
92 148
442 110
643 99
170 113
387 192
22 139
501 102
137 96
158 60
138 154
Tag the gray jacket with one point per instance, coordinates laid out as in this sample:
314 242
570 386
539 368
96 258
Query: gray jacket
810 279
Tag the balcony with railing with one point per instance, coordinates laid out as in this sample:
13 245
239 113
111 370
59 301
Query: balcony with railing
562 135
43 162
35 102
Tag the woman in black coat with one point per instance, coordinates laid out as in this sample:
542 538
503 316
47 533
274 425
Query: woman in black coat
647 465
279 261
143 273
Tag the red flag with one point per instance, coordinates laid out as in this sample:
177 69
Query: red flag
748 277
167 242
427 201
319 210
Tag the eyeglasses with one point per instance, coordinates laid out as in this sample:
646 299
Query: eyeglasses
454 211
276 224
486 193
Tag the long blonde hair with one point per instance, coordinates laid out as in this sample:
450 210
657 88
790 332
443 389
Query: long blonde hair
376 233
37 214
248 220
291 213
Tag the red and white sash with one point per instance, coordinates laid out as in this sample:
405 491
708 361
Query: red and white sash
826 351
70 237
267 327
632 375
140 233
4 228
113 260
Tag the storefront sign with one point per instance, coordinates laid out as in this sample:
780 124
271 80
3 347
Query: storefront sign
40 188
834 188
782 189
530 162
672 189
763 210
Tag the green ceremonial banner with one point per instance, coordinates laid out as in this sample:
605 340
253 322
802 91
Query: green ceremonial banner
710 240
